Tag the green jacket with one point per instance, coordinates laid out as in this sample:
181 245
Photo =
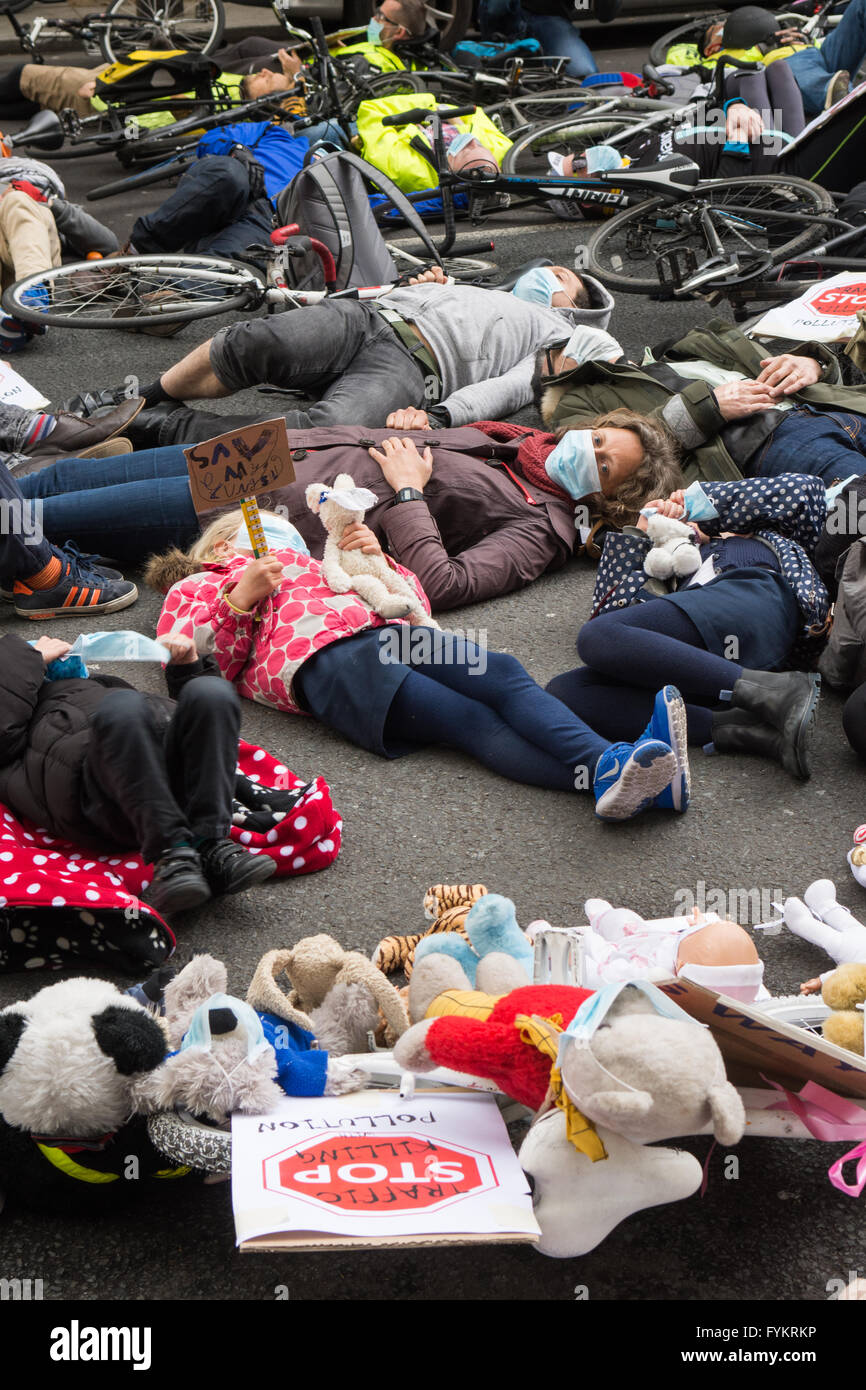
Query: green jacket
691 414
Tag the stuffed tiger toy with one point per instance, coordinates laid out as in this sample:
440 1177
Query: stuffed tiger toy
446 906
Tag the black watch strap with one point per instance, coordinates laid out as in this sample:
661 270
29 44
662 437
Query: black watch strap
408 494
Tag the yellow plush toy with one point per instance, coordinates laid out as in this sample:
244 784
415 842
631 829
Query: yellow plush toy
842 991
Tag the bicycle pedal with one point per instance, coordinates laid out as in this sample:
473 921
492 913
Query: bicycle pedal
673 266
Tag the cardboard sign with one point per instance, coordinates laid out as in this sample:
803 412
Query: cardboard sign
15 390
372 1168
239 464
753 1042
825 313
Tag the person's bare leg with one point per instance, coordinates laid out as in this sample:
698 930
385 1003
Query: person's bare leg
193 378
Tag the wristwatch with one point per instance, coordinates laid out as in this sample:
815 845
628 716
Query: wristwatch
408 494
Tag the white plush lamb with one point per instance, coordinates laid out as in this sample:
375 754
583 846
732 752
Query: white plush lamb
370 576
674 553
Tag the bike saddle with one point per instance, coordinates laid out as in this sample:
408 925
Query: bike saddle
671 171
511 279
44 131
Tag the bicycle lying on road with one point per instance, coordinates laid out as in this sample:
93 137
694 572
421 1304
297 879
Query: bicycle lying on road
196 25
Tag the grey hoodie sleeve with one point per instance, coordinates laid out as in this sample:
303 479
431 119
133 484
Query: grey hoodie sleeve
81 232
489 400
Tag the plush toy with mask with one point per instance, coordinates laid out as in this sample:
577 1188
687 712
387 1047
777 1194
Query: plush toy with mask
70 1060
674 553
345 571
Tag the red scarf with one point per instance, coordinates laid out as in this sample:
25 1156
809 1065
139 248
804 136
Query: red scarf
531 454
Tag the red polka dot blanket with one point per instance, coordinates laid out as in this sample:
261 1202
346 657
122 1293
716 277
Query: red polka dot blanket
58 901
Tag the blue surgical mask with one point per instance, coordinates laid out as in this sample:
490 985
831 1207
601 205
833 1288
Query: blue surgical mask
374 32
698 505
119 645
460 141
572 464
279 534
601 157
537 286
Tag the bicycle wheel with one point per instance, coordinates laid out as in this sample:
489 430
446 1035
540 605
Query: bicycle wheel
131 292
568 135
196 25
693 31
760 221
799 1010
385 84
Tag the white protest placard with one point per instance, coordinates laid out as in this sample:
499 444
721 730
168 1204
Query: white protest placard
372 1168
825 313
14 390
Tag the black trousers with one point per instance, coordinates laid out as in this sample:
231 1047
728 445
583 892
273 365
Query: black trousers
151 782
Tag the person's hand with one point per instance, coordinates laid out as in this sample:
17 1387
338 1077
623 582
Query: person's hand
787 374
679 497
811 986
737 399
668 507
435 275
52 648
259 580
402 465
87 89
743 123
360 537
786 37
408 419
182 650
290 63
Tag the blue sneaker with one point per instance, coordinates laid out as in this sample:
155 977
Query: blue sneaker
629 777
38 298
670 726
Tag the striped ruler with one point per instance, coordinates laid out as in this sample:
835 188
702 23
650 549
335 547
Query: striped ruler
250 509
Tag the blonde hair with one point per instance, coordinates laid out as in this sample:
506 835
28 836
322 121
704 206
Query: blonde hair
162 571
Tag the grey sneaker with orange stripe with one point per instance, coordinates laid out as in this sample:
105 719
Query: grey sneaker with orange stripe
80 588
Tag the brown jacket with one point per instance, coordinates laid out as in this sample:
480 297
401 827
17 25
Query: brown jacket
481 530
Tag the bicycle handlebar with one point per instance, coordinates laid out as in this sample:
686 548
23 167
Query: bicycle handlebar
419 114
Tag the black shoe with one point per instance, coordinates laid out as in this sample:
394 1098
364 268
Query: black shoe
229 868
89 402
80 589
786 703
145 430
178 882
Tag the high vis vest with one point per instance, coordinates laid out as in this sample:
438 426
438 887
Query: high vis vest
390 149
375 55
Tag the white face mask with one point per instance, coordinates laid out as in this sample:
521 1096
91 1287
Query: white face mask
279 534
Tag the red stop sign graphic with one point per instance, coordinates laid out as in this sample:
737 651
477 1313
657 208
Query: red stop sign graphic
844 300
370 1175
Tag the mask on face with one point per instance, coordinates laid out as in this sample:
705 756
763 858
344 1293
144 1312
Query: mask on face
374 32
537 286
279 534
572 466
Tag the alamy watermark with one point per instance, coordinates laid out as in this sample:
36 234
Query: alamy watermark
748 906
22 517
405 645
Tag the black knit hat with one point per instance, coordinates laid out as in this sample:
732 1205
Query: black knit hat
747 26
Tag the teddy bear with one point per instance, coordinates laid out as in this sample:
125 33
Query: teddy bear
608 1073
369 576
674 553
843 991
70 1060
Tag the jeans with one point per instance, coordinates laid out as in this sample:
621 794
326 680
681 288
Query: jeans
23 549
558 36
498 715
845 47
153 783
345 353
129 506
829 445
210 210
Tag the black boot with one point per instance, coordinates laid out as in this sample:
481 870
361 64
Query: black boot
785 702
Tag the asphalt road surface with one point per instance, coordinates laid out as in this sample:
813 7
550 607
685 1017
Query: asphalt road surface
776 1231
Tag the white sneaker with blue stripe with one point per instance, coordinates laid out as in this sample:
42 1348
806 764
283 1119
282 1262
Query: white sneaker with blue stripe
629 777
669 724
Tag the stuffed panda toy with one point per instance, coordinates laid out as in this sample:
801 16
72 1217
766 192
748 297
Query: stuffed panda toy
70 1059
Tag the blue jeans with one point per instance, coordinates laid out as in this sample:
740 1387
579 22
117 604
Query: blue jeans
127 507
845 47
558 36
210 210
828 445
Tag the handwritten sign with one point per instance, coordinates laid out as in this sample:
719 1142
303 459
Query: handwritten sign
239 464
371 1167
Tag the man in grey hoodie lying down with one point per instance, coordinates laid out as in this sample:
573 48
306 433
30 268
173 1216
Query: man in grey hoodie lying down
426 355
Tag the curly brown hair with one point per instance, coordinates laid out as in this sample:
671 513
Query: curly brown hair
657 475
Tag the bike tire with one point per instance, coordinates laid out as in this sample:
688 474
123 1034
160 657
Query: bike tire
452 19
386 84
112 293
691 31
200 32
798 1010
660 221
570 134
